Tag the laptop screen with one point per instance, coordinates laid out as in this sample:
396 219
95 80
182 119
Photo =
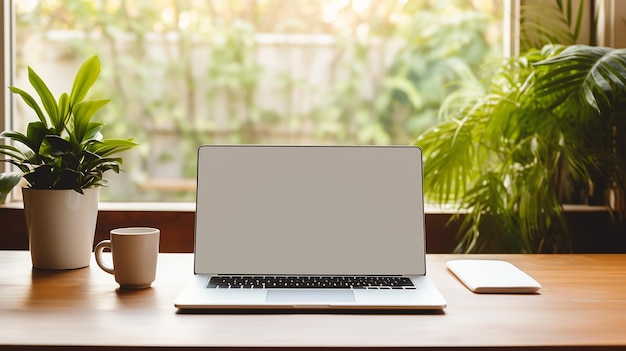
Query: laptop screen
309 210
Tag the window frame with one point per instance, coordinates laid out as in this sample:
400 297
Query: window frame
176 220
511 9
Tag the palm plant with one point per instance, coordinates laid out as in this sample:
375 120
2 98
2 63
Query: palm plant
64 148
500 156
557 21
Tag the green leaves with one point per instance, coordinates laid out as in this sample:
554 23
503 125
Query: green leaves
83 112
594 75
47 99
87 75
30 102
7 182
111 146
550 114
550 22
65 149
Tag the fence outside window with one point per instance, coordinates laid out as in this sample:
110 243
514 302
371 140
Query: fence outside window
182 73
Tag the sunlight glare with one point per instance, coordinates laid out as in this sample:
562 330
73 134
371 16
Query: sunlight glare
360 5
27 5
167 15
332 9
184 20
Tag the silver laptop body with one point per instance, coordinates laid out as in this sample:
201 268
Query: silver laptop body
272 219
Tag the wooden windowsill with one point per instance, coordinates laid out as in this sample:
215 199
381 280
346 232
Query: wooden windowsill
128 206
177 219
191 207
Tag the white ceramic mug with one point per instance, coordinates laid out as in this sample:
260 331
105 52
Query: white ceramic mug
134 251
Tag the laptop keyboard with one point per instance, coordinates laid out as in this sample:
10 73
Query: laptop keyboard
310 282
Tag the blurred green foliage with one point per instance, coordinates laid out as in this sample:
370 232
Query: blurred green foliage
394 63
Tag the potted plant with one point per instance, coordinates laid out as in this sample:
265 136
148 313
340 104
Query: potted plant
548 115
62 157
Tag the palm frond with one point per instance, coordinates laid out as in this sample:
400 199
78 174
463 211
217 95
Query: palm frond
554 22
596 76
447 160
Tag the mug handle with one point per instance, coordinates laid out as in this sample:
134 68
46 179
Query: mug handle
98 251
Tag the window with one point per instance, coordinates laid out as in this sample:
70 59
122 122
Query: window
182 73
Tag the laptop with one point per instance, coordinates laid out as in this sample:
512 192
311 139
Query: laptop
328 227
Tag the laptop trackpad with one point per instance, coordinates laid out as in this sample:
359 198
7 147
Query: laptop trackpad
309 296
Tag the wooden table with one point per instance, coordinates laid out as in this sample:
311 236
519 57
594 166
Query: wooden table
582 305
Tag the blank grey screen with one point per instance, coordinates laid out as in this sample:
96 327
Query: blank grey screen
309 210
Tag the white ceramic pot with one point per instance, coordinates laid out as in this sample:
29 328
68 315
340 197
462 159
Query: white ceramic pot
61 226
